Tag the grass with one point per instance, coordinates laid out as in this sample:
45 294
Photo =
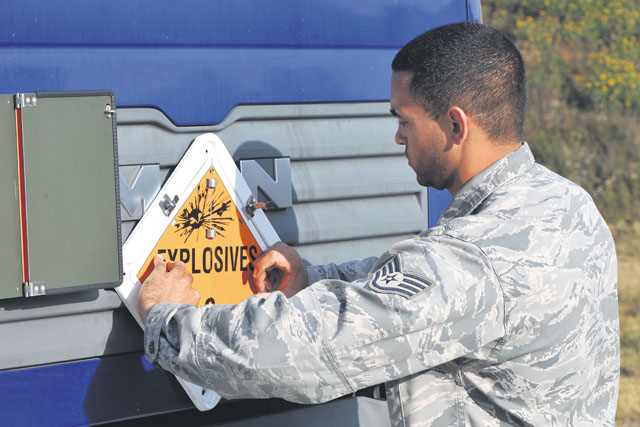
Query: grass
628 248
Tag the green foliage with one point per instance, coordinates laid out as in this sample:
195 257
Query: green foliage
583 70
598 150
587 51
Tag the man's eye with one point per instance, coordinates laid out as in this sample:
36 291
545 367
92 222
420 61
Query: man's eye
403 123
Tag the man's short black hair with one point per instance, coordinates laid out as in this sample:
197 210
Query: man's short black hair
474 67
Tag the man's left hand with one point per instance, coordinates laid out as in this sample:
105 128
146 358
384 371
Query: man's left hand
282 257
164 284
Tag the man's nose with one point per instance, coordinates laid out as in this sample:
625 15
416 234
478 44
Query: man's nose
400 138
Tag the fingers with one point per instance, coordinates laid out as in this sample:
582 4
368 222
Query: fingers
269 261
280 266
195 297
179 267
247 278
187 275
169 272
159 264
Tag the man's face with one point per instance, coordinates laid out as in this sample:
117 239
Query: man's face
425 142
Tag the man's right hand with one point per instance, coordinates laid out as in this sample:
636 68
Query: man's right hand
284 258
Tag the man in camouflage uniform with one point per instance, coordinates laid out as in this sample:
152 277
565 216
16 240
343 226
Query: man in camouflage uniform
503 313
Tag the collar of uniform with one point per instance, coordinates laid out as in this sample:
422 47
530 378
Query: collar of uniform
486 182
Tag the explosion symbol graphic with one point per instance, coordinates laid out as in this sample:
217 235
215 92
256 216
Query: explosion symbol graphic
204 214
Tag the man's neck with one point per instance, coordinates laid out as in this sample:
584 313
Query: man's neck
476 157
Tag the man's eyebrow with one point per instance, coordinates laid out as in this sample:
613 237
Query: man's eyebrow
395 114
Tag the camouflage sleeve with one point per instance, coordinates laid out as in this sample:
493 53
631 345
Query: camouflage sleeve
348 271
431 301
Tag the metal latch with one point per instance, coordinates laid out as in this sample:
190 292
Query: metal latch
33 289
26 100
252 204
167 204
108 111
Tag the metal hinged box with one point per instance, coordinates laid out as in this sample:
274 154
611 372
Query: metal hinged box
59 187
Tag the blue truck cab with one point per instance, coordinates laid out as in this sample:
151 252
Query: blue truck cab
298 80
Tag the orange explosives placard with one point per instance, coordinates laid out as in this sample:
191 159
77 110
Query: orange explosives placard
209 235
198 218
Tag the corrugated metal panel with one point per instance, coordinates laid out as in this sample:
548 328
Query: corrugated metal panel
299 131
338 220
376 245
351 177
350 180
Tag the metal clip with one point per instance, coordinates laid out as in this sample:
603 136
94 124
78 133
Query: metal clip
252 204
26 100
167 204
108 111
32 289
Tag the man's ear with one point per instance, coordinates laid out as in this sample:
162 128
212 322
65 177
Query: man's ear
458 124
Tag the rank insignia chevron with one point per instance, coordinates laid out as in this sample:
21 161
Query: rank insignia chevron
391 280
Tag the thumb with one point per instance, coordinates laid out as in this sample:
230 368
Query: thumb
159 264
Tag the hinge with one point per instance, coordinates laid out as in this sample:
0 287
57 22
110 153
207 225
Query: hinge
167 204
24 100
33 289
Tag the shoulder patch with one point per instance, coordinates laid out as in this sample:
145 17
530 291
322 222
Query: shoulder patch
390 279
